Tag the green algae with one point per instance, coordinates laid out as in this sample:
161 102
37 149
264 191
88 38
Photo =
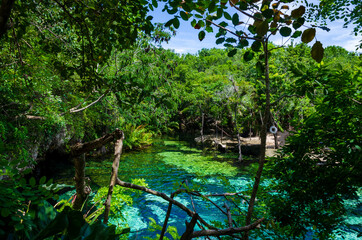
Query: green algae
193 161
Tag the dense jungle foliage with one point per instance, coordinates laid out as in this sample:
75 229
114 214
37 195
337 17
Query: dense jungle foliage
67 77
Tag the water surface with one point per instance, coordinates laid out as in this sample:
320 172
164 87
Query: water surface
165 166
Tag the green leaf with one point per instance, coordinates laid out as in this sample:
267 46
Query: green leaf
184 15
223 24
42 180
243 5
76 221
59 224
252 29
212 7
296 34
32 181
268 13
232 52
235 19
209 29
231 40
50 181
22 182
154 3
168 23
220 40
201 35
248 56
317 51
125 230
243 43
219 13
227 16
5 212
172 11
193 23
285 31
201 23
308 35
256 45
176 23
298 23
101 231
259 67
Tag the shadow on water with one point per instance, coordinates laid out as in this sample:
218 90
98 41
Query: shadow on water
165 166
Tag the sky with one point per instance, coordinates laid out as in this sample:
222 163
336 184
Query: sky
186 39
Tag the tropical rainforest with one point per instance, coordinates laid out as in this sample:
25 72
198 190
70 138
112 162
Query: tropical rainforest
90 78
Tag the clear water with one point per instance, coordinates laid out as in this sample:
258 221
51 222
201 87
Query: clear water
164 167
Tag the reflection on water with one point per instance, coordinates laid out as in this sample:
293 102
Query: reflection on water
165 166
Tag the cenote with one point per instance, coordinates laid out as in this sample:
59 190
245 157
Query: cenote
164 166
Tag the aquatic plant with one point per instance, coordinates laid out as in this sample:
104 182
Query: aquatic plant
192 161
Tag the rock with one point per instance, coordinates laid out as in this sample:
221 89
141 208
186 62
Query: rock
249 146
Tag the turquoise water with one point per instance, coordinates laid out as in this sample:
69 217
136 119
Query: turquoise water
164 167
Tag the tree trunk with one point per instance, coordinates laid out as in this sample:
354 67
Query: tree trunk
5 11
263 135
202 125
236 120
238 135
80 186
114 175
276 146
77 151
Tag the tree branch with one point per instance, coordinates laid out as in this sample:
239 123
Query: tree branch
75 110
212 231
243 12
230 219
165 197
228 30
55 35
355 101
80 148
227 231
114 176
283 96
168 215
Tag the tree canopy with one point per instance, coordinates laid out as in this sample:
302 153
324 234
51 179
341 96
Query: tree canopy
74 71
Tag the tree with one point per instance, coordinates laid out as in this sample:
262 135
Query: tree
232 18
53 58
319 168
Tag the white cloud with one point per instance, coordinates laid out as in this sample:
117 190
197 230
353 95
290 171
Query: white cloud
351 45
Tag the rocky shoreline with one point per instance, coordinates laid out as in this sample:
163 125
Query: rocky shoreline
249 146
